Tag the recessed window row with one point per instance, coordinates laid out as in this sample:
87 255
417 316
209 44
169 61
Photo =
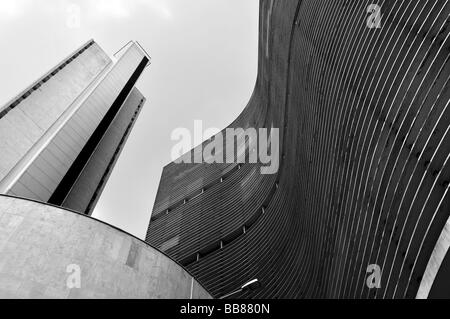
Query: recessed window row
236 234
44 80
196 194
241 231
210 249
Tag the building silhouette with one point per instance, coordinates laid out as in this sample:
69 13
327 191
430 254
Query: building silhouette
360 92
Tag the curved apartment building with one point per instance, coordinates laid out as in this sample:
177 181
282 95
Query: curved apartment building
360 93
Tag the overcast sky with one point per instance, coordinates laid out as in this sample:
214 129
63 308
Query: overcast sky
204 55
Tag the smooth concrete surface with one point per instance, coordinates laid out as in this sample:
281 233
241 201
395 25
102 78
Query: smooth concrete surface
43 247
22 127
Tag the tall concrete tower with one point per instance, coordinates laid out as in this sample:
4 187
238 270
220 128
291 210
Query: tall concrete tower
59 141
61 137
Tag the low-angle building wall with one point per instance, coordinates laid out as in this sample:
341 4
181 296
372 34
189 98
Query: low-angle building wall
48 252
360 93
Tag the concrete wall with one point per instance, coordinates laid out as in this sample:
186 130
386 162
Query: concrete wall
38 243
44 103
47 170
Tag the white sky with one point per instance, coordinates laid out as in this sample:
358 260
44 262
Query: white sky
204 55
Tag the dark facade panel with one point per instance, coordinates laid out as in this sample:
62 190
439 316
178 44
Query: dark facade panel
364 171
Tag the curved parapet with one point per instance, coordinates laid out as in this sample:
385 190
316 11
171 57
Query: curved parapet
48 252
360 92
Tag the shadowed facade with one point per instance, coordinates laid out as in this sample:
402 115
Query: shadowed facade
364 166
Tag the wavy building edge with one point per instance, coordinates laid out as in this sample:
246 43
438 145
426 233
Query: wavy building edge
364 172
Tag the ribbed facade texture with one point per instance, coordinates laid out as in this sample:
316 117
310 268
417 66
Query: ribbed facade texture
61 137
364 164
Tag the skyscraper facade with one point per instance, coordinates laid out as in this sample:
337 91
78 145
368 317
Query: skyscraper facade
61 137
360 92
